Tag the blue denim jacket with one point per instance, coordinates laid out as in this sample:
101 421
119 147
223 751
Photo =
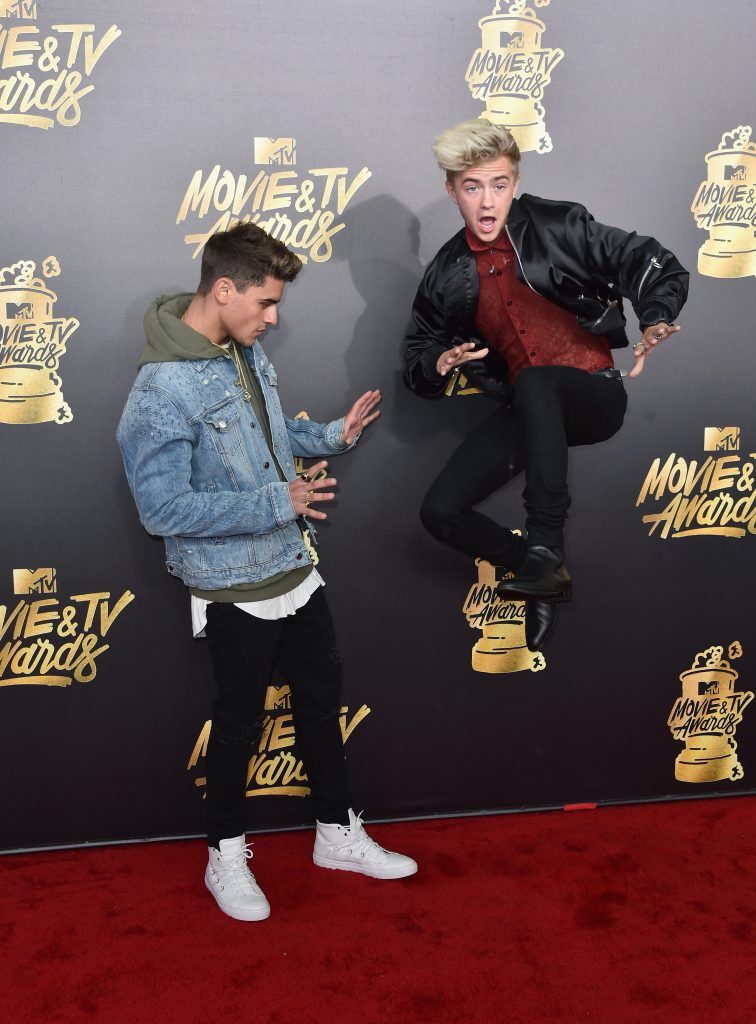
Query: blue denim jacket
202 475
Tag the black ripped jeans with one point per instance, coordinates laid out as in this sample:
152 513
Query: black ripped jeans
244 651
555 408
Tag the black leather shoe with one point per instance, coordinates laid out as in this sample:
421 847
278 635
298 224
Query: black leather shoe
542 575
540 620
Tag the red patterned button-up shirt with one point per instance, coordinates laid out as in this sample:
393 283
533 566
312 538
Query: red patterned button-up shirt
523 326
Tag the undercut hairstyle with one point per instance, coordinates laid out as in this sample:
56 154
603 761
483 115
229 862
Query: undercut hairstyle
246 255
472 142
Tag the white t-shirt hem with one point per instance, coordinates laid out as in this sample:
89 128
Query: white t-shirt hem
271 608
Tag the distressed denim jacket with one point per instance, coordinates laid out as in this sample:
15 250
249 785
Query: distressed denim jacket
202 475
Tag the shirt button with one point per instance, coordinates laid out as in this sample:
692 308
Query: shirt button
266 465
532 353
509 302
522 332
498 273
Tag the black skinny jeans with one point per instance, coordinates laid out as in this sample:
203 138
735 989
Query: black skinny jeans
244 651
555 408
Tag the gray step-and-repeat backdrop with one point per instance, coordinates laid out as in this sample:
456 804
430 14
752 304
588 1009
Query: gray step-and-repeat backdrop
132 131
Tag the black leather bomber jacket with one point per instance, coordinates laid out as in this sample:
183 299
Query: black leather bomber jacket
565 256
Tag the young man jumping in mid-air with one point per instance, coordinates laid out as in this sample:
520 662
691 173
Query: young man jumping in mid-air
527 299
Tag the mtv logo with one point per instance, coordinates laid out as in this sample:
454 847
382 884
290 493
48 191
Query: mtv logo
35 581
708 689
721 439
19 311
26 9
735 173
278 152
511 40
278 698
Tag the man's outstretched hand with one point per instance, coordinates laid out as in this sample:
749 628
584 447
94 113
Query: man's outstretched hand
458 356
362 413
649 340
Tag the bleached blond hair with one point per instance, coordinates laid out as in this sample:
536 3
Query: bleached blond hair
472 142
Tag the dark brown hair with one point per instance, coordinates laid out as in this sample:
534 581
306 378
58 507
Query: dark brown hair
246 255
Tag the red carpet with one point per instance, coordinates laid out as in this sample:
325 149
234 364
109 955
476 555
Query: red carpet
627 914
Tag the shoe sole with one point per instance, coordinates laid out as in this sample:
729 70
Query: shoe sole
323 862
250 915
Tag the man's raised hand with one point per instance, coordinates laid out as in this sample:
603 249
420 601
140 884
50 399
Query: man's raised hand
306 489
360 415
649 340
459 355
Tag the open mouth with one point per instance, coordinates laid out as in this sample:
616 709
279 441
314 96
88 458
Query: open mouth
487 223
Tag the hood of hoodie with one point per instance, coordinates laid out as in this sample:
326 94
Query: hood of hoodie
169 339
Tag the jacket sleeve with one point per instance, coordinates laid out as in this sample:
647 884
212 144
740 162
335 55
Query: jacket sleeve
156 442
311 440
638 267
424 345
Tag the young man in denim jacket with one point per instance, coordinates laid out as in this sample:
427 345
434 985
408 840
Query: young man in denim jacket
209 457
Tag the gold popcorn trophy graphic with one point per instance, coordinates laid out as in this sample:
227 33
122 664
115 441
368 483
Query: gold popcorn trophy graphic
459 385
511 69
299 469
503 647
724 206
706 716
32 340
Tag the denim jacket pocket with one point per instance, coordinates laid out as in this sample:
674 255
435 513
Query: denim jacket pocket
224 427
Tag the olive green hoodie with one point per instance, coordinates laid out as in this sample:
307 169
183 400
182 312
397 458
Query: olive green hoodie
169 339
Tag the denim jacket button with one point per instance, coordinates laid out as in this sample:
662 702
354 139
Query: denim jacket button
222 424
266 465
299 556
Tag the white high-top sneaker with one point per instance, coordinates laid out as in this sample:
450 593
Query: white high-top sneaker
232 883
350 848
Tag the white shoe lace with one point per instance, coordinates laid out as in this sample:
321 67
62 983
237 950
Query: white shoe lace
363 843
234 872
